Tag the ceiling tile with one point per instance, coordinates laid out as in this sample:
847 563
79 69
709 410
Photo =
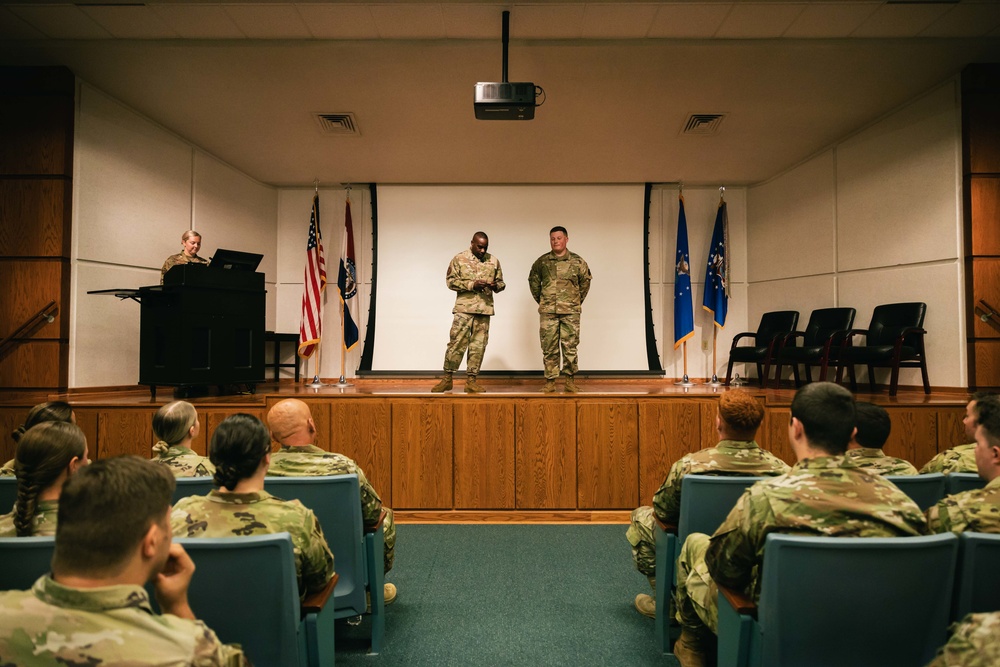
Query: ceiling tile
130 22
60 21
473 21
904 20
759 20
419 21
198 21
830 20
617 21
268 21
14 27
968 19
336 21
546 21
688 21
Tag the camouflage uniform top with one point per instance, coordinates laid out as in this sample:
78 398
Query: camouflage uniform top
54 624
179 258
42 524
876 462
977 510
826 495
310 461
559 284
464 270
223 514
729 457
183 461
961 458
974 642
8 469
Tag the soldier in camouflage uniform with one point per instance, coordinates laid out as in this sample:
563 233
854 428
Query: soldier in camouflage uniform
961 458
824 494
475 275
48 455
190 245
50 411
977 510
865 448
176 425
737 453
559 281
974 642
241 452
113 538
293 428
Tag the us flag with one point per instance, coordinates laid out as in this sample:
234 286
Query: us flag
311 326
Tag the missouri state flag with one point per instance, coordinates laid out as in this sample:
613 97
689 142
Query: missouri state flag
683 304
347 281
716 299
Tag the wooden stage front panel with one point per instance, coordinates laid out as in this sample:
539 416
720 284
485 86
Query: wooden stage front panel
508 455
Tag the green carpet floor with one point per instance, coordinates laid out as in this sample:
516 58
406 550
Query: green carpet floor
510 595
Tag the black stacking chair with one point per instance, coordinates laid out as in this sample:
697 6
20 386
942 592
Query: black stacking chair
770 334
818 345
894 339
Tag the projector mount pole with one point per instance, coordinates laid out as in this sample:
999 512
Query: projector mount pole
505 36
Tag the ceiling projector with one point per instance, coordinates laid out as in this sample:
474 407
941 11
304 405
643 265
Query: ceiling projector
503 100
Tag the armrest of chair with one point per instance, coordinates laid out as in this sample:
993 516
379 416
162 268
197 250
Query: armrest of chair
314 602
665 527
792 335
745 334
378 524
850 334
740 602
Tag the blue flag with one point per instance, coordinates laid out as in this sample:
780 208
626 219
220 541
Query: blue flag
717 270
683 305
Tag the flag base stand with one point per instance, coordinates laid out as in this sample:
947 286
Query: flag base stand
343 382
685 382
738 381
316 383
714 382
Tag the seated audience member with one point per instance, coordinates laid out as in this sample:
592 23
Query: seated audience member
51 411
977 510
113 538
865 448
736 423
974 642
176 424
241 452
824 495
961 458
293 428
47 455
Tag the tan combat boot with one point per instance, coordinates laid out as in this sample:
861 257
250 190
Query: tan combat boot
444 385
646 604
473 387
550 386
571 386
692 647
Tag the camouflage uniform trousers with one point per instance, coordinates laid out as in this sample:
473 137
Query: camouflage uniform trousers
696 595
555 331
642 537
468 331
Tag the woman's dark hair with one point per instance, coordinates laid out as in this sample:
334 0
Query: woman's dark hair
51 411
238 445
42 455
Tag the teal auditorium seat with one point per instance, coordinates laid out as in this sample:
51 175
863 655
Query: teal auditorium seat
705 503
358 553
8 494
924 490
958 482
246 590
23 560
192 486
859 601
978 574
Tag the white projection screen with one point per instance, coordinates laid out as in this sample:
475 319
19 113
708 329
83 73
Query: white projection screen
421 227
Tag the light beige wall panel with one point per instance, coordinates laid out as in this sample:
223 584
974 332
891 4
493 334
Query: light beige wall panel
132 186
791 223
898 187
235 212
937 285
105 330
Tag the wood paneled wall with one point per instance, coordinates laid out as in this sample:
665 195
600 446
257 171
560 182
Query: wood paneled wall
515 458
36 185
981 194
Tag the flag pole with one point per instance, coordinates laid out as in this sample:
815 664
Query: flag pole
714 382
685 381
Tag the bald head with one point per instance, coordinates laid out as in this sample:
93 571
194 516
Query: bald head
291 423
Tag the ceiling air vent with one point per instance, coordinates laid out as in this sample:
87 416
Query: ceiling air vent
703 123
342 124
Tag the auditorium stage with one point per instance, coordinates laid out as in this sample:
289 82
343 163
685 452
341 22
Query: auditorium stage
511 454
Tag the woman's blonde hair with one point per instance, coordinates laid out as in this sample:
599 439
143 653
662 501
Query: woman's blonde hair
172 423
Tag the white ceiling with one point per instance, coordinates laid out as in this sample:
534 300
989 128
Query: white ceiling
244 80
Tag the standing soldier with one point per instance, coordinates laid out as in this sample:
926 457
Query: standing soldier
559 281
475 275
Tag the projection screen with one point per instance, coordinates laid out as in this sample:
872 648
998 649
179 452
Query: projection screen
421 227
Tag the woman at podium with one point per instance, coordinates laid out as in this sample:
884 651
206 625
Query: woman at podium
190 245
